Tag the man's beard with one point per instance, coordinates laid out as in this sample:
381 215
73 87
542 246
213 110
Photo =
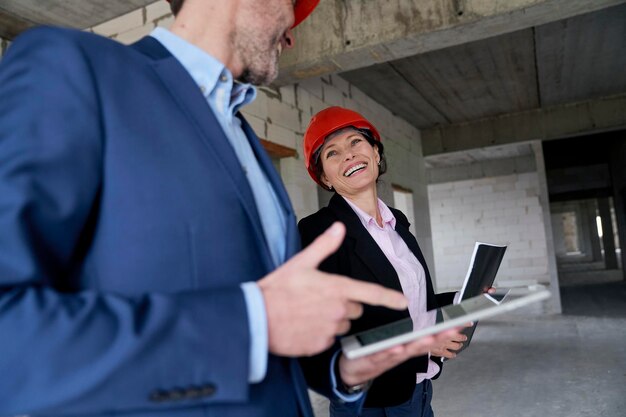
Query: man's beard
262 63
256 76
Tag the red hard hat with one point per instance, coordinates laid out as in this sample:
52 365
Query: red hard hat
301 10
326 122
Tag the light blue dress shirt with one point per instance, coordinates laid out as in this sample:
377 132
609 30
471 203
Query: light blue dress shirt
226 97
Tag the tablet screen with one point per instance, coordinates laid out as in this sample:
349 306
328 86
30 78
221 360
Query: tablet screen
385 332
470 310
448 312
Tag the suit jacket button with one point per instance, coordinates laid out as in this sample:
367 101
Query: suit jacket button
208 390
176 394
193 392
158 396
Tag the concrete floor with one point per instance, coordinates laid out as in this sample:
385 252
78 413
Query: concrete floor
566 365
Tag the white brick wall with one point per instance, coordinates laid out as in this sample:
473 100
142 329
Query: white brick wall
501 210
121 24
132 26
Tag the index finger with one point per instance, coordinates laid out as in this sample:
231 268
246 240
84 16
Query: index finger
372 294
322 247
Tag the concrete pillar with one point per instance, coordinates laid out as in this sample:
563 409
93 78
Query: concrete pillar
545 205
570 231
584 235
594 239
558 234
608 237
618 173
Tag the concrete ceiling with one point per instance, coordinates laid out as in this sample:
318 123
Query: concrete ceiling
469 73
19 15
472 156
575 59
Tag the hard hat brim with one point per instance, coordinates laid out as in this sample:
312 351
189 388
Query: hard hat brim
302 10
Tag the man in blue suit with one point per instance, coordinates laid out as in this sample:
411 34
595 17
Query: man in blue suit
146 242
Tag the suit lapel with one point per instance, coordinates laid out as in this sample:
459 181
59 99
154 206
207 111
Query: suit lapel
365 247
187 96
293 238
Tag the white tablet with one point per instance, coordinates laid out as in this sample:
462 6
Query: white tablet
471 309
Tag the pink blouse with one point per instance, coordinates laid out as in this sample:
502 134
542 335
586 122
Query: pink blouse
410 271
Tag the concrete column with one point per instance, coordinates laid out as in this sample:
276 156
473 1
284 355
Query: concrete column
618 173
558 234
584 236
545 205
608 237
594 239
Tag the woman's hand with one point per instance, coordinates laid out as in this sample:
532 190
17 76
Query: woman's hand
454 342
360 370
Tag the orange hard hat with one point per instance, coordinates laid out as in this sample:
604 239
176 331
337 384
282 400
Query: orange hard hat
323 124
301 10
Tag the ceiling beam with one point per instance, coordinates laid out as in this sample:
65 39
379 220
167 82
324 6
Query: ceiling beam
19 15
568 120
344 35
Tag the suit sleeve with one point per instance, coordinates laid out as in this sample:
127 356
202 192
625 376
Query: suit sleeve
78 352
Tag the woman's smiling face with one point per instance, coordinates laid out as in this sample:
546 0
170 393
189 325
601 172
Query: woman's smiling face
349 162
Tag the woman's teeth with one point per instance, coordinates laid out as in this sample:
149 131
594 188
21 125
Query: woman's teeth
354 169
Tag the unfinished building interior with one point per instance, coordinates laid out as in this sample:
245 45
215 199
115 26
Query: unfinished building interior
503 122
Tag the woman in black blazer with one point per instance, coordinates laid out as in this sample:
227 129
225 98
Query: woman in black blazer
343 153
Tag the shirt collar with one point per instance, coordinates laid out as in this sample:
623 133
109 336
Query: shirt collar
366 219
207 72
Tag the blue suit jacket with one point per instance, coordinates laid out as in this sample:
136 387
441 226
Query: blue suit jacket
126 228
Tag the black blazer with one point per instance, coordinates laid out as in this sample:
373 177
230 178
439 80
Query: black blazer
360 257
